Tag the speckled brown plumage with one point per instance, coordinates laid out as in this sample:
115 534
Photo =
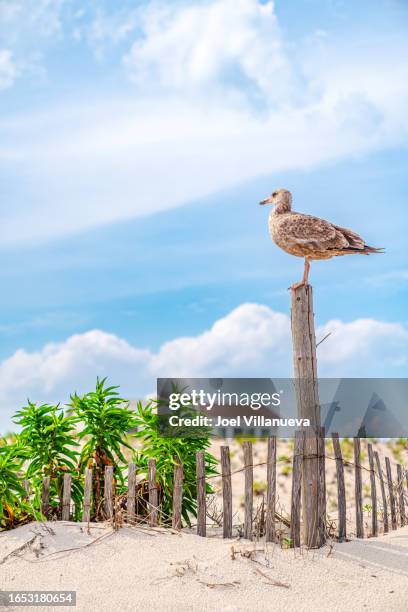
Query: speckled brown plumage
310 237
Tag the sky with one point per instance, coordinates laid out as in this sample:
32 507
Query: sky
136 139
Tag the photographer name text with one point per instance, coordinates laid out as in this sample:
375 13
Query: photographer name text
237 421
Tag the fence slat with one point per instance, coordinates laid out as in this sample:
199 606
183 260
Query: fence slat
86 514
153 493
270 532
108 491
26 485
45 495
394 524
66 497
321 486
296 488
341 490
131 494
226 492
358 488
383 495
177 495
201 502
249 489
403 518
374 519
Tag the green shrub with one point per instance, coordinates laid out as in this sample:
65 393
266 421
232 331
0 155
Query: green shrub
107 419
167 451
14 509
49 448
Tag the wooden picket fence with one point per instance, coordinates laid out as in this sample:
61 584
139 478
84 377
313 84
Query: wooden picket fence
393 509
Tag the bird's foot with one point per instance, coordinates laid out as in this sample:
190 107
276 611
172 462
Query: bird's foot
302 283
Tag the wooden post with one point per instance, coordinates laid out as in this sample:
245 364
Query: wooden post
108 491
298 456
270 532
226 492
296 488
131 496
383 495
201 502
403 518
341 490
305 374
374 521
358 488
321 489
391 494
86 514
66 497
249 489
26 485
45 495
153 493
177 494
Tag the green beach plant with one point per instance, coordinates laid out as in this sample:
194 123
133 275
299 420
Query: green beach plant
168 451
14 509
49 450
107 420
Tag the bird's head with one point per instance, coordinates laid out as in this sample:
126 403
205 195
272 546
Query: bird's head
281 198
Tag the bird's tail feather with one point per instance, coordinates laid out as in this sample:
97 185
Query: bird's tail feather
369 249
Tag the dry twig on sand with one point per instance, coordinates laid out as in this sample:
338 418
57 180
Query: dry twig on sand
271 581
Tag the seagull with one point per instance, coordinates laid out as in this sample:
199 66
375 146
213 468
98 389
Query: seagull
310 237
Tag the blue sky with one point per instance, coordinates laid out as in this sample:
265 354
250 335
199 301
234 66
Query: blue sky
136 139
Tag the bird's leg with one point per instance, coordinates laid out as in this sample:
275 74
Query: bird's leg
305 279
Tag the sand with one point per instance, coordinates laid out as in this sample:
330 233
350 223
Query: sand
138 568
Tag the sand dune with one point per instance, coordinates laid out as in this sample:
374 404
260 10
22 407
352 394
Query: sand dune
140 568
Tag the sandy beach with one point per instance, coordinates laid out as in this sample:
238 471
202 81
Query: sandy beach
141 568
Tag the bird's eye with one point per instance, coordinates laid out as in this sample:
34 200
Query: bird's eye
275 193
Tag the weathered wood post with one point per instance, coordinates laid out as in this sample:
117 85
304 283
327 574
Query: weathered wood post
109 491
401 495
226 492
131 496
201 502
393 509
374 521
341 490
177 494
66 497
296 488
86 515
249 489
153 493
270 531
305 374
45 495
383 495
358 488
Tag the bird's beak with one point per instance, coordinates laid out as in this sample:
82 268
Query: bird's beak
267 200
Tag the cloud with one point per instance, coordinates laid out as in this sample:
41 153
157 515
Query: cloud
212 46
220 95
251 341
8 70
28 28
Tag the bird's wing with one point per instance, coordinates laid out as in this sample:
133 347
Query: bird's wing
315 234
355 241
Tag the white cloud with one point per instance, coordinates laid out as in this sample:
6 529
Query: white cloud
364 344
27 28
221 96
8 70
251 341
222 45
